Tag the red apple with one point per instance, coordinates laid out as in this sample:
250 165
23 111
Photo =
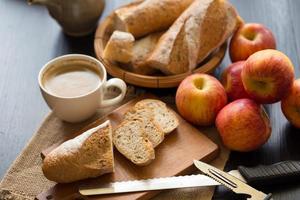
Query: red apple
267 75
199 98
232 82
243 125
290 105
249 39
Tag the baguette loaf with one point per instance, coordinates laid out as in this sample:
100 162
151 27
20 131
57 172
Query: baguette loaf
149 16
142 48
119 47
88 155
130 139
218 27
201 28
152 129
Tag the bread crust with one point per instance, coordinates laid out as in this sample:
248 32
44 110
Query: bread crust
119 47
142 49
144 153
158 14
203 26
153 130
86 156
163 116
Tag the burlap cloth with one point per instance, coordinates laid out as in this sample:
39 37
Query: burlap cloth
24 179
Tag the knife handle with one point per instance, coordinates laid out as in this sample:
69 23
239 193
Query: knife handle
279 173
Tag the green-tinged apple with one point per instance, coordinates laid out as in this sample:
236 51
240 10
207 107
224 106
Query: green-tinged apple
232 82
199 98
290 105
248 39
267 75
243 125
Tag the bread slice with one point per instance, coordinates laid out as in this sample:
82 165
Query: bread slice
152 129
130 139
167 120
149 16
88 155
202 27
163 117
150 103
119 47
142 48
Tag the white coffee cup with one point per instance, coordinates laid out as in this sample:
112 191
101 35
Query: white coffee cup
80 108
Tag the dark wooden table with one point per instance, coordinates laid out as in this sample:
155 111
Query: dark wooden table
29 38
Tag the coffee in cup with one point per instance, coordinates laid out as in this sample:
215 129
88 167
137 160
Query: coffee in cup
74 86
71 80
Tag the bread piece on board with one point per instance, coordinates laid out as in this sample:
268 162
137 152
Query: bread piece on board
88 155
167 120
163 117
153 131
119 47
149 16
201 28
142 48
131 141
151 103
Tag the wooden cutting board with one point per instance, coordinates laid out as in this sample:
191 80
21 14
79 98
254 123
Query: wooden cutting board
174 156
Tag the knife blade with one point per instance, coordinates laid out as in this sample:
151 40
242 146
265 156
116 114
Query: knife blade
231 182
148 185
279 173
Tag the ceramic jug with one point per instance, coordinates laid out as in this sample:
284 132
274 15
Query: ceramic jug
76 17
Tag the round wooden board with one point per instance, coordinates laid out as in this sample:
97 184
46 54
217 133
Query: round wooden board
103 33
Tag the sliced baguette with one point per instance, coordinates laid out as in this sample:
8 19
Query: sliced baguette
86 156
220 22
163 117
131 141
142 48
152 129
200 29
119 47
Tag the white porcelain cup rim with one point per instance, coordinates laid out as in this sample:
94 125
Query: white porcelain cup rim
79 56
81 107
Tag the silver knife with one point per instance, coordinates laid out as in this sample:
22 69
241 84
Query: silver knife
261 175
149 184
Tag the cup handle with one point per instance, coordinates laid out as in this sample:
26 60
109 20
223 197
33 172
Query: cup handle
118 83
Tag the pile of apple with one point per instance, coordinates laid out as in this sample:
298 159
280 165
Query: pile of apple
258 75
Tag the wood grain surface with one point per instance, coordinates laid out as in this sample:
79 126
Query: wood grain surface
30 37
